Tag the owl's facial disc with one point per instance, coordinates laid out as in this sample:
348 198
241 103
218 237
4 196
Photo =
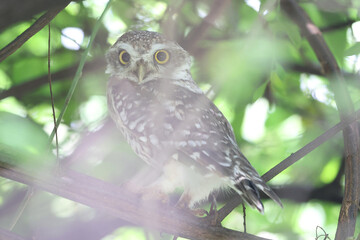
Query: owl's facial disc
142 56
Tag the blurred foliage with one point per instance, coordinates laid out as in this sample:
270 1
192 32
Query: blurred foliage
246 63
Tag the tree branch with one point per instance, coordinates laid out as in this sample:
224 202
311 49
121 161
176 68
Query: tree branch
28 86
31 31
337 26
293 158
12 11
117 202
349 208
199 32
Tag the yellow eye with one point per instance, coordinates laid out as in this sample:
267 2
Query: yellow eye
124 57
161 56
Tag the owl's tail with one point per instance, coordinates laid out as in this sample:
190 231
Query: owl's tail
249 191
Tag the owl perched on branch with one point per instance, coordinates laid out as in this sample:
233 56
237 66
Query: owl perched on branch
172 125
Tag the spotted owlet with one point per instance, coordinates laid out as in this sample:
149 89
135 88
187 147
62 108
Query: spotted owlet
172 125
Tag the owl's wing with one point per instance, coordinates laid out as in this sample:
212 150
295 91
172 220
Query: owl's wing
204 139
203 135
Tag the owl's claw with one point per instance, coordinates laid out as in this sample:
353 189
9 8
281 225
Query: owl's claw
212 216
183 205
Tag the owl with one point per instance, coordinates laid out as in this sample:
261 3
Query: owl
172 125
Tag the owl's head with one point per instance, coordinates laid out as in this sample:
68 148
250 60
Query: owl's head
141 56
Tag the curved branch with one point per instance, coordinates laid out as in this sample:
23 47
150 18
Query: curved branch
349 207
117 202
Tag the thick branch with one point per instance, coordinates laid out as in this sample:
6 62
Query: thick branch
349 208
12 11
29 86
119 203
31 31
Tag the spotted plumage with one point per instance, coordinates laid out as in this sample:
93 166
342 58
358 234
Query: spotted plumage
172 125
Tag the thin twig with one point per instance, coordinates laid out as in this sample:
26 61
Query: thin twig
31 31
337 26
52 97
25 201
79 69
293 158
244 216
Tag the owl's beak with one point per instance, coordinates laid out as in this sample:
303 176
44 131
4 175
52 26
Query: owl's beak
141 71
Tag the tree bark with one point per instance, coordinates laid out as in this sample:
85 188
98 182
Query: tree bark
13 11
117 202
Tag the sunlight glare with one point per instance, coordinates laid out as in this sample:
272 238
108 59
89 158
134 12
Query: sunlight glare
114 24
356 30
313 215
93 111
254 4
291 128
314 86
253 128
72 38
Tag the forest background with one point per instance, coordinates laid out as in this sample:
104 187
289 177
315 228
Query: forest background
284 73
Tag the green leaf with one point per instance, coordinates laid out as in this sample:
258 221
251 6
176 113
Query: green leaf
259 92
22 142
353 50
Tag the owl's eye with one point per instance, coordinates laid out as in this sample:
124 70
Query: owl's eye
124 57
162 56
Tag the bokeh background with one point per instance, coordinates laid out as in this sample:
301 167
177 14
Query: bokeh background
249 58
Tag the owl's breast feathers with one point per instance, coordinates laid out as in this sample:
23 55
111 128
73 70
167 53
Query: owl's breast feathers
162 120
170 119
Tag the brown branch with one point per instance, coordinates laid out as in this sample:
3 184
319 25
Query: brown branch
168 22
28 86
337 26
351 78
349 207
199 32
13 11
31 31
119 203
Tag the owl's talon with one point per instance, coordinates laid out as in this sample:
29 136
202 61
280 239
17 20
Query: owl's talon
199 212
212 217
